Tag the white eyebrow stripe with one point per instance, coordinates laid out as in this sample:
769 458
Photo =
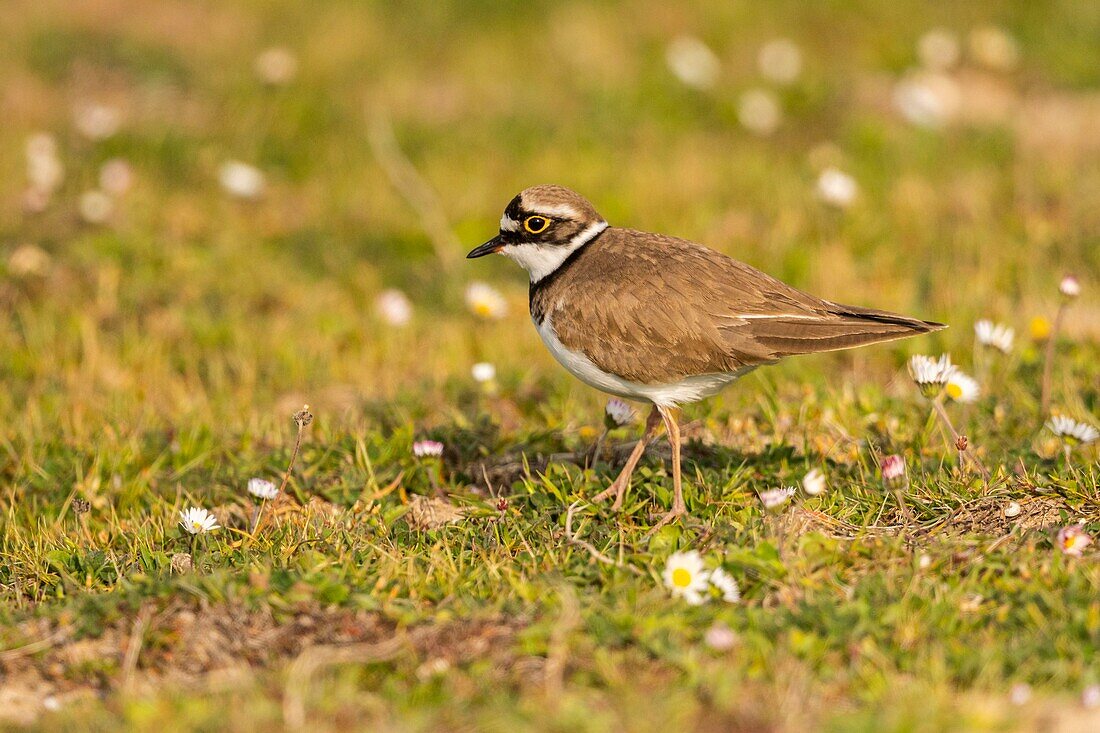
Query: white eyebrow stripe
559 211
508 224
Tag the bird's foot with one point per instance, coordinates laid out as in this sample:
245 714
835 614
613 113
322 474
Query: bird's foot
618 489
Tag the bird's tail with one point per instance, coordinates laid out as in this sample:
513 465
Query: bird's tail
840 327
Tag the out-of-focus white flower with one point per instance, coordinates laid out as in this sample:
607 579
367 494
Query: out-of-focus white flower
619 412
1012 509
1072 431
1073 540
394 307
938 49
893 468
427 449
97 121
1090 697
116 176
686 577
1070 286
780 60
775 498
261 488
45 171
719 637
995 335
759 112
692 62
837 188
1020 694
927 99
929 374
726 585
95 207
242 180
483 372
994 48
962 387
813 483
924 561
28 260
484 301
276 66
198 521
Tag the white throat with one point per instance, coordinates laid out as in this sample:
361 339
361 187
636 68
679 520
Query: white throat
542 259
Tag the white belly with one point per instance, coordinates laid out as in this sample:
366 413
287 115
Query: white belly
688 389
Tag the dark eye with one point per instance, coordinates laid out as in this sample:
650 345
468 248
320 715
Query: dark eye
536 224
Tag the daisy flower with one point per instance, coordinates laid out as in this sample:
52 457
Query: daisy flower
938 49
686 577
758 111
1070 286
427 449
394 307
483 372
1073 540
962 387
780 60
927 99
276 66
1090 697
692 62
97 121
95 207
241 180
262 488
837 188
893 468
720 637
929 374
484 301
814 483
726 585
994 335
198 521
1071 431
775 498
619 412
116 176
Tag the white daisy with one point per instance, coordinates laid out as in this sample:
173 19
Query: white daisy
938 49
262 488
930 374
692 62
1020 694
1071 431
995 335
726 585
427 449
198 521
720 637
95 207
242 180
927 99
276 66
686 577
116 176
619 412
780 60
1090 697
813 483
837 188
759 112
97 121
1070 286
483 372
394 307
775 498
962 387
484 301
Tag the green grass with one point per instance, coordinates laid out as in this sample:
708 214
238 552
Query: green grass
154 363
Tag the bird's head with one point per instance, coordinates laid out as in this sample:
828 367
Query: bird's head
541 227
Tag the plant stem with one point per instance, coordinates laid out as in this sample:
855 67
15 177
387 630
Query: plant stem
1048 360
937 405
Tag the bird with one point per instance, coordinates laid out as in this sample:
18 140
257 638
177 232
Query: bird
662 320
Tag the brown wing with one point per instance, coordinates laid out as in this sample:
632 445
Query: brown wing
670 308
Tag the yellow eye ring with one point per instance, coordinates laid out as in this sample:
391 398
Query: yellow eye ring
536 224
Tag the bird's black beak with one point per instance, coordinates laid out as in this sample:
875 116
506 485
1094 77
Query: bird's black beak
493 245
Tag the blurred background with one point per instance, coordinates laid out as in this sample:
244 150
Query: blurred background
217 211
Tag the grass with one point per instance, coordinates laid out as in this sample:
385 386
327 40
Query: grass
154 362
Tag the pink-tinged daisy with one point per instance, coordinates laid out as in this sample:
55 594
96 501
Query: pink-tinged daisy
427 449
394 307
893 468
1073 540
1070 286
619 412
776 498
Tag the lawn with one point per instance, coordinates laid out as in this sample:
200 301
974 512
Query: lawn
213 214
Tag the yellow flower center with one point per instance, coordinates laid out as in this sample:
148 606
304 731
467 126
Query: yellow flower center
954 391
483 309
1040 328
196 525
681 578
1071 541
